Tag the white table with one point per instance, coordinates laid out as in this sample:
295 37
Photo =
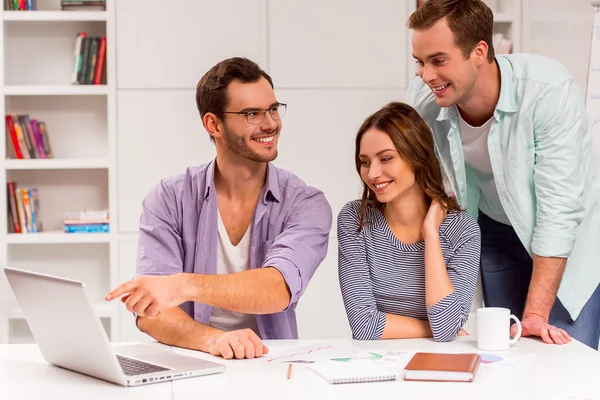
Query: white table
556 372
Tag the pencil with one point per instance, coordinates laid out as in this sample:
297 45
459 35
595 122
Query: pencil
289 373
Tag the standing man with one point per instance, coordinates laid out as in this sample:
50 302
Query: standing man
227 249
512 136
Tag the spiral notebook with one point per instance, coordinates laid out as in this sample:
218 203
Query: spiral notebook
353 372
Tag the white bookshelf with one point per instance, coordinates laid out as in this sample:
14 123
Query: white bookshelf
508 20
81 123
504 17
54 15
53 163
56 237
55 90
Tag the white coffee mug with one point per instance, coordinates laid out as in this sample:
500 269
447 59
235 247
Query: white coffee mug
493 328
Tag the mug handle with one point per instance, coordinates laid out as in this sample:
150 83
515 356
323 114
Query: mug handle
519 330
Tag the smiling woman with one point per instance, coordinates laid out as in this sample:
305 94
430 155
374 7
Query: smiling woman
408 256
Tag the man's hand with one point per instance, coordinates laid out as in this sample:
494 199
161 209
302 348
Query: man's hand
243 343
535 325
149 295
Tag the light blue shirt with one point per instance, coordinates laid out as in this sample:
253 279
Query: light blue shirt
544 164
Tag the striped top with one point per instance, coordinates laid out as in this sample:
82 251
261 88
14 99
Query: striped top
379 274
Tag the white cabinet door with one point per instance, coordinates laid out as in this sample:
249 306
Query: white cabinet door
561 30
171 44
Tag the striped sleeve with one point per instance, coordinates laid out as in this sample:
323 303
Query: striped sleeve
448 316
366 321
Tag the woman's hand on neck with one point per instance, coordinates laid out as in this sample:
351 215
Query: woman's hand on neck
434 218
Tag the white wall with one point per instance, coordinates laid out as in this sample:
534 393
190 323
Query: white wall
560 29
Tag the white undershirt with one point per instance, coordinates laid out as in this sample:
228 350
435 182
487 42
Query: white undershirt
477 157
232 259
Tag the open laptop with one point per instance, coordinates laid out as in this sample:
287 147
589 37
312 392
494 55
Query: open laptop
70 335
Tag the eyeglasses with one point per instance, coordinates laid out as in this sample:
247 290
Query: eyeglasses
256 116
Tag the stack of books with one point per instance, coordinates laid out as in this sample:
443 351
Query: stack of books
19 5
29 137
81 5
86 222
90 60
23 209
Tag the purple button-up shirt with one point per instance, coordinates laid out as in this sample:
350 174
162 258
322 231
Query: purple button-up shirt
290 231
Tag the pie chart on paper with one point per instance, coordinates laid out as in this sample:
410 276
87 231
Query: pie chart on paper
490 358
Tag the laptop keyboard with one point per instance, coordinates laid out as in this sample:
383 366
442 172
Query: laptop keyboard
136 367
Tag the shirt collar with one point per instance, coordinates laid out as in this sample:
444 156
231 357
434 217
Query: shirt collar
210 178
447 113
507 99
271 185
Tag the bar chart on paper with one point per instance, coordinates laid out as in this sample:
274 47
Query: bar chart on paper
310 354
315 354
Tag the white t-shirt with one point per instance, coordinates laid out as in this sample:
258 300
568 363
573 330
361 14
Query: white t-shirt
232 259
477 157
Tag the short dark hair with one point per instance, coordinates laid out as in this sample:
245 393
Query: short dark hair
469 20
211 91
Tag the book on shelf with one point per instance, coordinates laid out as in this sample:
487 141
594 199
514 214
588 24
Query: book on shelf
20 5
87 228
83 5
86 222
29 137
23 209
89 67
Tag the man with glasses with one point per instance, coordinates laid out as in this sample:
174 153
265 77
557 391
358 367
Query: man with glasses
227 249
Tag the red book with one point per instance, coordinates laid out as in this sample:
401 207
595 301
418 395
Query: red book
13 136
100 62
12 206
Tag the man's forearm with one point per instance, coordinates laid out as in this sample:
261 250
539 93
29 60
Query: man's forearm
258 291
545 281
400 327
174 327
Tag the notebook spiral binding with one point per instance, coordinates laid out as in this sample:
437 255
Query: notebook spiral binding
365 379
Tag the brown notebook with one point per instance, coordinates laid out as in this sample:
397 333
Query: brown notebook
442 367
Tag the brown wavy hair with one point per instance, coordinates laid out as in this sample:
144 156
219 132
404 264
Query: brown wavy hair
413 141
